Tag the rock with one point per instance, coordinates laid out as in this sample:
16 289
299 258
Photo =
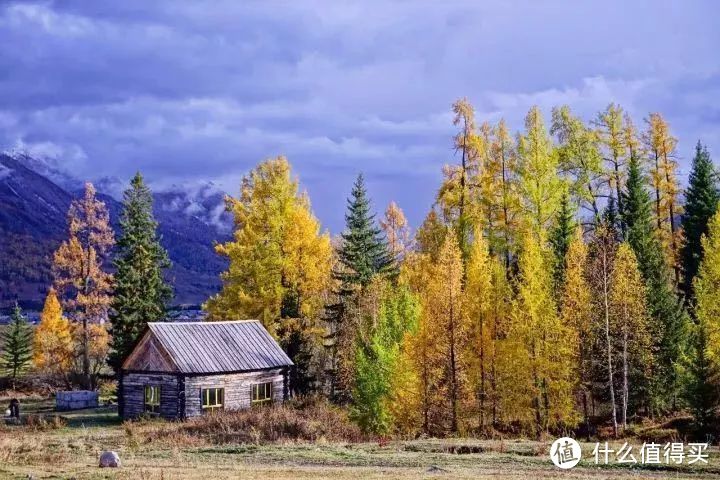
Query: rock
109 459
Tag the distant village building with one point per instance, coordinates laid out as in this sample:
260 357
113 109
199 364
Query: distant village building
181 370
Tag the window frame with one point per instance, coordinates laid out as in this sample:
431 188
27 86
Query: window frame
267 397
205 395
152 408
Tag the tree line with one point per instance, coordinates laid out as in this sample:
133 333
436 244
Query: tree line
561 280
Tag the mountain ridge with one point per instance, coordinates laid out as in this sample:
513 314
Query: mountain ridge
35 197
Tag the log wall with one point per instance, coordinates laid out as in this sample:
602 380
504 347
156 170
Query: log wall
181 395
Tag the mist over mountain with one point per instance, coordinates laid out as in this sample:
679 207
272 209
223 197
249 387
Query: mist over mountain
34 198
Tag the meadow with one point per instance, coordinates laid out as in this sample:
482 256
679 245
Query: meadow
67 446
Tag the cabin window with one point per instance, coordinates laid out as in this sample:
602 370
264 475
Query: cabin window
213 398
262 393
152 399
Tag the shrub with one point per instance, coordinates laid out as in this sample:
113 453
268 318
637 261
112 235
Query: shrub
308 419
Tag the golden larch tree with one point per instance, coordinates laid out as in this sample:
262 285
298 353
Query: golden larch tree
397 231
487 298
661 148
576 311
278 255
455 194
601 266
542 347
609 128
498 202
280 265
52 342
579 159
540 186
630 323
707 286
447 326
83 286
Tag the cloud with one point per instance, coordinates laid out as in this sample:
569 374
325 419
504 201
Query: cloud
189 90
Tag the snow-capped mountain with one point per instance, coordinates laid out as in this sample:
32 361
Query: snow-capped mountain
34 198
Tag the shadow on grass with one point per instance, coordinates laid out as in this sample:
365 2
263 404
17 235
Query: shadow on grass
92 417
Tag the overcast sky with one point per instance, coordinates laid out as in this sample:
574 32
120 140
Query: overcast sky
192 91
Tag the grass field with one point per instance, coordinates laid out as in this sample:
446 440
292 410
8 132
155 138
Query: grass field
72 451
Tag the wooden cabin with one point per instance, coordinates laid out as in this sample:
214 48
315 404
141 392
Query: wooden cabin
180 370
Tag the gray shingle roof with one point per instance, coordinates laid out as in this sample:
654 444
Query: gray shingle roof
216 347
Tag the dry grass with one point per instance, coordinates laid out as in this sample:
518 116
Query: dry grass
308 420
313 442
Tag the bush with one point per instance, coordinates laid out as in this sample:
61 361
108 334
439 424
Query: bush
43 422
309 419
300 420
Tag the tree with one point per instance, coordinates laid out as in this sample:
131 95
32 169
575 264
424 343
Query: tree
540 187
444 308
486 302
579 158
560 237
542 347
377 360
397 232
430 237
141 293
603 256
52 342
454 195
17 345
611 135
668 317
362 257
280 263
707 282
701 201
703 389
83 286
576 311
630 325
364 252
661 146
504 164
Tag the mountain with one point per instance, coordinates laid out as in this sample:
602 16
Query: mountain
34 199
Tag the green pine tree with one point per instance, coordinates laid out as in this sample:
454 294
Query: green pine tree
17 346
701 201
364 252
669 318
141 293
702 393
561 236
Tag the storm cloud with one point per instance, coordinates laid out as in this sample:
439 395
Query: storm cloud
203 90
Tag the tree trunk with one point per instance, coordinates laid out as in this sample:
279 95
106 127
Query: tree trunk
506 219
453 371
625 378
657 194
605 274
673 239
585 414
616 166
481 419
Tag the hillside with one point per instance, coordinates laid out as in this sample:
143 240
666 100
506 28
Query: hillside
34 200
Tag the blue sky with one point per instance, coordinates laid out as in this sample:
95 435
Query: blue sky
203 90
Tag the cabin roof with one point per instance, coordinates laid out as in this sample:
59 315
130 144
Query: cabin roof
217 347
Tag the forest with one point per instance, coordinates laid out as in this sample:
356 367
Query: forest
563 281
